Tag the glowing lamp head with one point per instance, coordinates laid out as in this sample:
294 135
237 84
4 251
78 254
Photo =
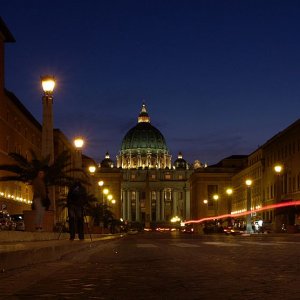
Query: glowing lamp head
109 197
229 191
48 84
113 201
248 182
215 197
278 169
92 169
101 183
205 201
105 191
78 142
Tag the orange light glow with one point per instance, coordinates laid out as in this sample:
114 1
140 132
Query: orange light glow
290 203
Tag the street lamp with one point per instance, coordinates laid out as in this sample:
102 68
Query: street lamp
92 169
104 192
113 201
229 192
100 182
205 201
216 198
48 84
278 168
78 142
109 197
248 218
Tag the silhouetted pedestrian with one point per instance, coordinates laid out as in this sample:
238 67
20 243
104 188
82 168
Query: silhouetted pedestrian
76 200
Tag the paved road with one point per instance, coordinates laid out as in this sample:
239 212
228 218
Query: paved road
167 266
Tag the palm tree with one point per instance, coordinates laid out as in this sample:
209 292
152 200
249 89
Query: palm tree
101 213
59 173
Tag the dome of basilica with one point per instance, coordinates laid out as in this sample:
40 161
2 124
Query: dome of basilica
144 136
144 146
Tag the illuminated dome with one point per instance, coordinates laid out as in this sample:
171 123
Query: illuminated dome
107 162
180 163
144 146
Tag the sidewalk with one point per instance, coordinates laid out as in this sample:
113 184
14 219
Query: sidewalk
19 249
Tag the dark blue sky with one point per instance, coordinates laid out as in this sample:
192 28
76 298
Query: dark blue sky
218 77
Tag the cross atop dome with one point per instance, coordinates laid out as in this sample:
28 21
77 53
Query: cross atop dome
143 116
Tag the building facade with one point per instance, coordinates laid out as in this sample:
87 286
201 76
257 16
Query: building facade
268 187
151 189
19 132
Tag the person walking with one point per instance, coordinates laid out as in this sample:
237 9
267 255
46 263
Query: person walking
39 196
76 201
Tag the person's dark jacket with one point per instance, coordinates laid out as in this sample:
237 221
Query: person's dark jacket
76 196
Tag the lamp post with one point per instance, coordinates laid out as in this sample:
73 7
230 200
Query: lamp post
216 198
278 221
92 169
48 84
278 169
104 193
78 143
248 218
229 192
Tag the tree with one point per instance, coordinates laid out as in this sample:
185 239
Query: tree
58 173
101 214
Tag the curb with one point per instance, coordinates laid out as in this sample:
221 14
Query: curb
21 254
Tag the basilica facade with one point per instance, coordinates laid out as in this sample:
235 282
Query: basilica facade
152 189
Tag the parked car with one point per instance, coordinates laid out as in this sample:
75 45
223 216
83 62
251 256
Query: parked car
6 223
19 220
233 230
187 229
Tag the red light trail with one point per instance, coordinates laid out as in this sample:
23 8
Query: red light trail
290 203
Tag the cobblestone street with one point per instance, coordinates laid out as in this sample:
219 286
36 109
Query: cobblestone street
167 266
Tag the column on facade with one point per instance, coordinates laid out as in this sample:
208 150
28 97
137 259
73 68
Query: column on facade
124 205
128 206
162 202
137 206
187 205
175 202
157 206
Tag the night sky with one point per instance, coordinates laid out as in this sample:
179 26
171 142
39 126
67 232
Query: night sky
218 77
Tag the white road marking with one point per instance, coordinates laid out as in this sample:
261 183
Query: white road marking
288 242
222 244
185 245
146 246
261 243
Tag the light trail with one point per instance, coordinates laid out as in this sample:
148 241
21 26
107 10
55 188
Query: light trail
284 204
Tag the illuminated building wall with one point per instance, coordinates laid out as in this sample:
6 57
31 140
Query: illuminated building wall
19 132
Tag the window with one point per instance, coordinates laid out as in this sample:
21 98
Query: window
133 195
167 176
153 195
168 195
